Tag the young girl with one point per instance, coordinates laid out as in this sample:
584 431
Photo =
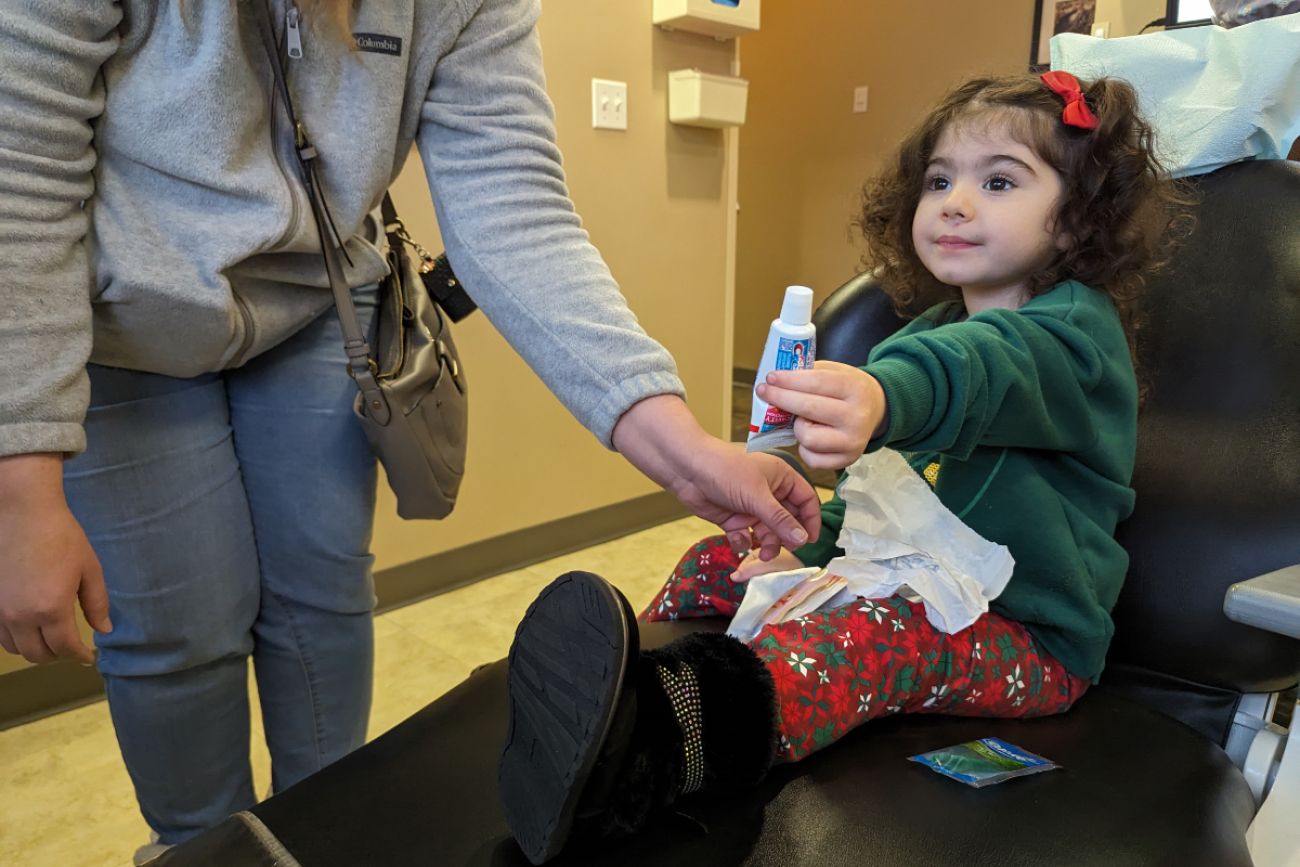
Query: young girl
1033 205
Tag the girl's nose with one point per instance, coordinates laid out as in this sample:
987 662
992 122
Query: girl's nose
956 205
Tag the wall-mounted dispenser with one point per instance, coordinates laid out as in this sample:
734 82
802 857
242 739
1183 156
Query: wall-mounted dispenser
702 99
721 19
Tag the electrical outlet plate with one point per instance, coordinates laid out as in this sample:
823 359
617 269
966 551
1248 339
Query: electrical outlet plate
608 104
860 99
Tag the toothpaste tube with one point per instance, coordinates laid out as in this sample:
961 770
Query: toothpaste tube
791 345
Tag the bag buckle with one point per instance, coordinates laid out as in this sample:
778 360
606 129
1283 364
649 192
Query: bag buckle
370 362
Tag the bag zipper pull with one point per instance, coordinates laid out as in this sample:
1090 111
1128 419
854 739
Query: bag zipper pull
293 18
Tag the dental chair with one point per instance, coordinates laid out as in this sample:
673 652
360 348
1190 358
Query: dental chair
1165 762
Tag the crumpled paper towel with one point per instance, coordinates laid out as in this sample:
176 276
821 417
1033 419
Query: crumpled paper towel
1215 96
897 537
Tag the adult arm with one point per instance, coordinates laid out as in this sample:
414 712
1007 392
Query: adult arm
50 93
487 139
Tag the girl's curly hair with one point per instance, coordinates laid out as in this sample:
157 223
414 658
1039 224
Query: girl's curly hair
1119 210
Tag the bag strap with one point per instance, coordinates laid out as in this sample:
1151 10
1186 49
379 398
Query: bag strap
361 367
439 280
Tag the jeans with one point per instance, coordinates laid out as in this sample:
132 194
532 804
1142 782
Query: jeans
232 514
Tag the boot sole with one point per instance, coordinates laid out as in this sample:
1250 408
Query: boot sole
566 669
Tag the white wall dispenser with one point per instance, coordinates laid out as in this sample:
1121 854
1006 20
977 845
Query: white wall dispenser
721 19
703 99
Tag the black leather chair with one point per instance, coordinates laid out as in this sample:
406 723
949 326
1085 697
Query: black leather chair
1147 778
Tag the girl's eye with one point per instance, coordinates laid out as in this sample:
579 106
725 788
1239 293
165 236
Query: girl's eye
999 184
936 182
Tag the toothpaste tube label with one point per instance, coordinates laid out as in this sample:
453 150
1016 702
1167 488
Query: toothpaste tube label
791 354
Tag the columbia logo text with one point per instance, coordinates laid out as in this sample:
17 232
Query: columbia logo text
378 43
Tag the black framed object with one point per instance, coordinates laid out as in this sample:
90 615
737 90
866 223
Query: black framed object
1187 13
1058 16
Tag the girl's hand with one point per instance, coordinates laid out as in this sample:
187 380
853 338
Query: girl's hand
753 566
840 408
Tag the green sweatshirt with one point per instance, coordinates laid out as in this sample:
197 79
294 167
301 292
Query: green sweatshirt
1031 417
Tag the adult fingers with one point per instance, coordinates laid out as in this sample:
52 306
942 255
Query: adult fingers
739 535
782 483
7 641
801 500
767 543
739 541
65 642
94 599
31 646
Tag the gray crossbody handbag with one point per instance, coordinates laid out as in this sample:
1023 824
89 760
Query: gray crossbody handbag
412 399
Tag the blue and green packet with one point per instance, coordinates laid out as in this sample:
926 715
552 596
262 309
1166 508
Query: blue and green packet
984 762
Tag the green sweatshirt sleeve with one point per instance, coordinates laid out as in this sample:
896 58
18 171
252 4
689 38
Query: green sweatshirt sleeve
1018 378
822 550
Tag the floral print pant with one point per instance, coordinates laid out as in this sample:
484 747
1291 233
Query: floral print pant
835 669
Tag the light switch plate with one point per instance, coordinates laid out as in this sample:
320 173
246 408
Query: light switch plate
608 104
859 99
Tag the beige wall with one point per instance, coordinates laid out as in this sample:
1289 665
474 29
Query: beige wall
804 154
655 200
1127 17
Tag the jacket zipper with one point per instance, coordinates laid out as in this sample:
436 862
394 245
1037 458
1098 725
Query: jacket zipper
293 33
293 22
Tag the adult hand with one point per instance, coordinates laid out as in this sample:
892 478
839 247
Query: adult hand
839 408
48 565
752 567
758 500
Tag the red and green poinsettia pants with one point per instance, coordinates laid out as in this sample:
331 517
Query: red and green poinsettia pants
835 669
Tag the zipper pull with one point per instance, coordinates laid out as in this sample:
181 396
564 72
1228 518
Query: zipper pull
293 32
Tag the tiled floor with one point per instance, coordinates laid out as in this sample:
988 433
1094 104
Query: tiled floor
67 801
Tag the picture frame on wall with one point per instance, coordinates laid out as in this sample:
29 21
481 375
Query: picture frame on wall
1057 16
1188 13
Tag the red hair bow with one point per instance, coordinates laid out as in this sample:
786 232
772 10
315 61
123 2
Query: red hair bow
1066 86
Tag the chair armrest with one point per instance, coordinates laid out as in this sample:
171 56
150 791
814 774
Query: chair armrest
1270 601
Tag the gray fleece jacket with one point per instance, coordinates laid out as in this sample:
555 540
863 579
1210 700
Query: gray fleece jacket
151 219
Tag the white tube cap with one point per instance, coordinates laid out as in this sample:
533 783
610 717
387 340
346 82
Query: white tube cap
797 307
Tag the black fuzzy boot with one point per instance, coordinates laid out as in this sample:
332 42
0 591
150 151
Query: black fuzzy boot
737 702
701 717
601 735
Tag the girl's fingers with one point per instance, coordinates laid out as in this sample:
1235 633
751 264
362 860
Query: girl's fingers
809 405
828 378
821 439
806 381
826 460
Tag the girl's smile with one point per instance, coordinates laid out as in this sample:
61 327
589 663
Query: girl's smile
954 243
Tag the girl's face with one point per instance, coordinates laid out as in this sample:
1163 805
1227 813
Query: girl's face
985 218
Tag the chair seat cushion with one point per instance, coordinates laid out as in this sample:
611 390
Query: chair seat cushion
1136 788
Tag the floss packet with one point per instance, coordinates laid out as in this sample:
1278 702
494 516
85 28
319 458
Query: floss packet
983 762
